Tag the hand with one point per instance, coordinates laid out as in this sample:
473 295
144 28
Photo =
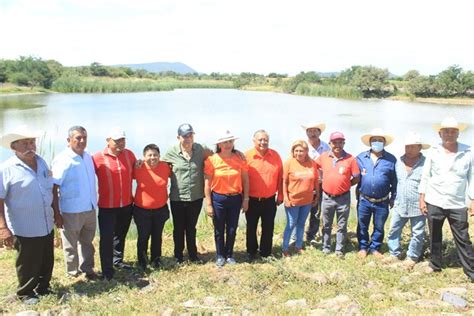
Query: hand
7 237
287 202
278 202
245 205
210 210
58 220
423 207
138 163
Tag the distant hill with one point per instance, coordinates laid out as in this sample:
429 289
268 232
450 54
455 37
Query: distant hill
160 67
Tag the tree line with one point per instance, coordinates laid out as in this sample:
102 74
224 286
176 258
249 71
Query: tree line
357 81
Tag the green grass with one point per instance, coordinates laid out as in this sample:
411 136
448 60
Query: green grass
332 91
259 288
74 84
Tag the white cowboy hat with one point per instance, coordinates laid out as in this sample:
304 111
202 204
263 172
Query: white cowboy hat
377 132
413 138
450 122
226 135
320 126
21 132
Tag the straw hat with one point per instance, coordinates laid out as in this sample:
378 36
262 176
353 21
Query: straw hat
450 122
226 135
116 133
413 138
377 132
21 132
320 126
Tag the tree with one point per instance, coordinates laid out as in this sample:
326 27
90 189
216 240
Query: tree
371 81
448 82
411 74
98 70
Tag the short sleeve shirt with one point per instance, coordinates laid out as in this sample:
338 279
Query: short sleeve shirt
152 185
337 172
300 179
225 173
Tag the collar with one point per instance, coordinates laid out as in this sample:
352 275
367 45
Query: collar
331 154
367 153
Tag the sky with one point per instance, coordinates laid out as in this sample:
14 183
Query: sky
257 36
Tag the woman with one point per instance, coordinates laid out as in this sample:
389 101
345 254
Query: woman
226 187
300 192
151 209
187 190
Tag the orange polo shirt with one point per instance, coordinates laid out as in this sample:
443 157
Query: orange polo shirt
337 173
265 173
226 173
152 185
114 175
300 179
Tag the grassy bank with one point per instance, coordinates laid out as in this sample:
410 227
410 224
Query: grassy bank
12 89
121 85
360 286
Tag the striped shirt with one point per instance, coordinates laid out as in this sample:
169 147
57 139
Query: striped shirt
75 177
114 175
28 197
407 200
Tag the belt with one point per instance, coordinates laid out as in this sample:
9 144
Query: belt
335 195
227 194
370 199
261 199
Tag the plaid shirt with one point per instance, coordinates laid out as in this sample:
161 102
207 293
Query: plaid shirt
406 202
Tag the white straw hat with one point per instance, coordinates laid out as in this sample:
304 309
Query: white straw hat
320 126
377 132
21 132
413 138
226 135
450 122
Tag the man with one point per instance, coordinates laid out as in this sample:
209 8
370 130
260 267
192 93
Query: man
375 192
27 221
340 171
114 168
316 148
447 174
75 197
406 207
265 180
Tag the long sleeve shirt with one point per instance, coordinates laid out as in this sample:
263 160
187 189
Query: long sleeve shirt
447 177
380 179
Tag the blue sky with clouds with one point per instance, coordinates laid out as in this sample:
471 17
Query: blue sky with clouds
244 36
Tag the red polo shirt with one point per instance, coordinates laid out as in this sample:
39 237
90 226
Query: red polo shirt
265 173
337 172
114 175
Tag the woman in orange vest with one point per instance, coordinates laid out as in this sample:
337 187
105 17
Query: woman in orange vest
226 188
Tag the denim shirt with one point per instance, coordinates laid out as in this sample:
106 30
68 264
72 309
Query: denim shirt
377 180
407 200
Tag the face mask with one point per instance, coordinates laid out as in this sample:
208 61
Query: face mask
376 146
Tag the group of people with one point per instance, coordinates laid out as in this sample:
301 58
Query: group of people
315 181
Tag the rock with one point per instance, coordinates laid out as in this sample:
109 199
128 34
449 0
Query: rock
453 290
405 296
336 277
377 297
319 278
167 312
352 309
454 299
210 301
28 313
335 304
147 288
190 304
301 303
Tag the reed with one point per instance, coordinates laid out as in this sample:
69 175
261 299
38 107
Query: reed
333 91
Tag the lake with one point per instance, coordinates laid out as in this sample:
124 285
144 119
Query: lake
153 117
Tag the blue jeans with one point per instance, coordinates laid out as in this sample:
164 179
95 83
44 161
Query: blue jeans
226 220
365 210
295 217
415 247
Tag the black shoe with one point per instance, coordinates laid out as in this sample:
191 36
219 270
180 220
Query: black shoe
179 260
196 260
92 276
123 266
251 257
106 277
156 264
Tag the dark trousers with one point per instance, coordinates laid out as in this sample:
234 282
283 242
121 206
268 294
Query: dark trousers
365 210
457 219
34 264
266 211
226 220
149 223
113 225
314 219
185 217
